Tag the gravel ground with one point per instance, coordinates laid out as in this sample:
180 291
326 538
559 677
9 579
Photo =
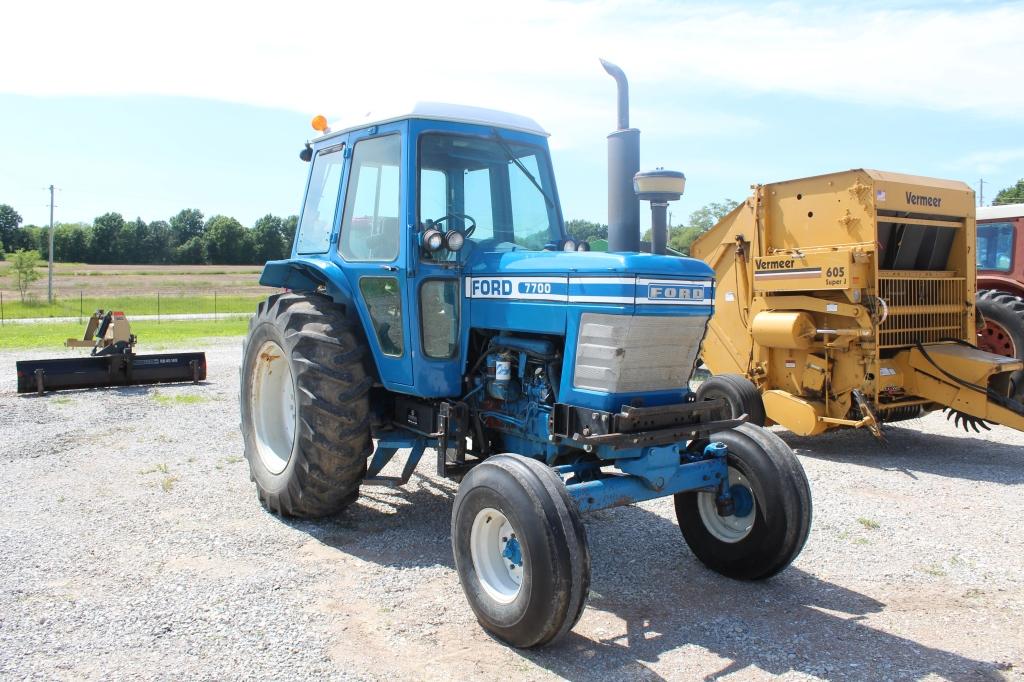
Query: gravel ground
134 547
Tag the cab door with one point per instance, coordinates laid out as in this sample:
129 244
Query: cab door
372 251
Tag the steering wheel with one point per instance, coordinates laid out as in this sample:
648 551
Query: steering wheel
469 230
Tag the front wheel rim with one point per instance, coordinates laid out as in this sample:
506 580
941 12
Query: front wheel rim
272 400
497 555
729 529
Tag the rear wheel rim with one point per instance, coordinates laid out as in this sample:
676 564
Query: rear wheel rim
729 529
994 338
273 407
497 555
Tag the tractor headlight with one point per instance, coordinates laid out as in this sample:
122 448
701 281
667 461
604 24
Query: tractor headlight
431 239
569 245
454 240
583 246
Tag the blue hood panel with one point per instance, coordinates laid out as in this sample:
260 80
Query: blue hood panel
588 262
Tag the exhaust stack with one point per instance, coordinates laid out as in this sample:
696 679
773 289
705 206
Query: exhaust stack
623 164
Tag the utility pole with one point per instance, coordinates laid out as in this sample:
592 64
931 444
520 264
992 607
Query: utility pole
981 192
49 288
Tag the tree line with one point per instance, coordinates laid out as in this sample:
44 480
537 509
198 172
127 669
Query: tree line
187 238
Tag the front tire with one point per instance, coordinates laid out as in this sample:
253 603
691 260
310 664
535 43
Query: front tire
305 411
521 550
772 501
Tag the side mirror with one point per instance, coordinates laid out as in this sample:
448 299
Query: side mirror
307 153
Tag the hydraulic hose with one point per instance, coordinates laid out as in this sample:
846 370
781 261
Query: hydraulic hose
993 396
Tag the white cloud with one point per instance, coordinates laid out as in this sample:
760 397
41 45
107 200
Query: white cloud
990 161
535 57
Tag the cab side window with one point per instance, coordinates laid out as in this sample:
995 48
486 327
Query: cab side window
321 201
370 229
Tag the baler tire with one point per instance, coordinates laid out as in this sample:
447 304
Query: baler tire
331 433
554 561
741 394
1007 311
781 510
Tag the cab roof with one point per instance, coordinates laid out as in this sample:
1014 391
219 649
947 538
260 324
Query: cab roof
438 111
1004 211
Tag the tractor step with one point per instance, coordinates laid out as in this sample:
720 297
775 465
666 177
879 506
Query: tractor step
117 369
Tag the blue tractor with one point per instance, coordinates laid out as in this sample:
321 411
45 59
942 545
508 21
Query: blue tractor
435 302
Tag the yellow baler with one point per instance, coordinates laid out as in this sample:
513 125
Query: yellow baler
848 300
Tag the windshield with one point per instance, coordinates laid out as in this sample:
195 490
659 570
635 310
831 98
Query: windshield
502 187
995 246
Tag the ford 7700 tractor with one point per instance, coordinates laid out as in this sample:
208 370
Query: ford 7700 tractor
435 302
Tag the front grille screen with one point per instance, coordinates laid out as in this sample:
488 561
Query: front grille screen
922 309
625 354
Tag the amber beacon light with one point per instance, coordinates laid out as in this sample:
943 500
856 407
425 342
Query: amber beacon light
319 124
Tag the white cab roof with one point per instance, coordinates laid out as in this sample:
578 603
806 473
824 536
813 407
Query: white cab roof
439 111
1004 211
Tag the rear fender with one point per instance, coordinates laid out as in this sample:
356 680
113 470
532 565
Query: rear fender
309 275
315 275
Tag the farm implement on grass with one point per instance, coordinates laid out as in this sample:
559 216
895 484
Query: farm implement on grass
112 362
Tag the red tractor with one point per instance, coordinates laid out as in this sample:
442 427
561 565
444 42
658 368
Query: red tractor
1001 281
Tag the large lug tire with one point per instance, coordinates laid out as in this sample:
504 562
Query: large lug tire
521 550
1003 332
305 411
772 508
741 394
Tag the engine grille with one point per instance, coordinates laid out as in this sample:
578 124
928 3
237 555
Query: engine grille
922 308
624 354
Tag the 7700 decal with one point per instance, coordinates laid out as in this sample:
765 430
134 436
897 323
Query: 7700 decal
518 288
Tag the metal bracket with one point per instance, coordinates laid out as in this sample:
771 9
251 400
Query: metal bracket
386 449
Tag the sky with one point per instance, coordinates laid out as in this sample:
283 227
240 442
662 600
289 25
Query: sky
148 108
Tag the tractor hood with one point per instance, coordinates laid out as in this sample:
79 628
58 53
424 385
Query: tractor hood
592 263
632 322
529 290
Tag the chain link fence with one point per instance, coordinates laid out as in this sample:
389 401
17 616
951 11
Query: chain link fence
79 305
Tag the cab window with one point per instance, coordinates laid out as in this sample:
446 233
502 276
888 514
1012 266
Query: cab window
318 210
995 246
500 192
370 226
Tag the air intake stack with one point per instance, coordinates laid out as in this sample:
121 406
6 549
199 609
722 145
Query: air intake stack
623 164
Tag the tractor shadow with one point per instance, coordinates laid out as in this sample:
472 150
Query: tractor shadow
912 449
651 597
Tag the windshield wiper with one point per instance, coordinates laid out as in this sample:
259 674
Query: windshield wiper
519 164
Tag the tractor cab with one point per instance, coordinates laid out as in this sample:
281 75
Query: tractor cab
402 205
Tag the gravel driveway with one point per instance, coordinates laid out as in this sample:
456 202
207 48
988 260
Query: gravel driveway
133 547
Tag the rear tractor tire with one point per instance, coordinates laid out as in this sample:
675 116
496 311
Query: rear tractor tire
772 514
521 550
1003 332
742 396
305 411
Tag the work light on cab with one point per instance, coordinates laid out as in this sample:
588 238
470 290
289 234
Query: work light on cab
431 239
454 240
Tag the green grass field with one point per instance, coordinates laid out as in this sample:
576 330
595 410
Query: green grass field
151 304
152 335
